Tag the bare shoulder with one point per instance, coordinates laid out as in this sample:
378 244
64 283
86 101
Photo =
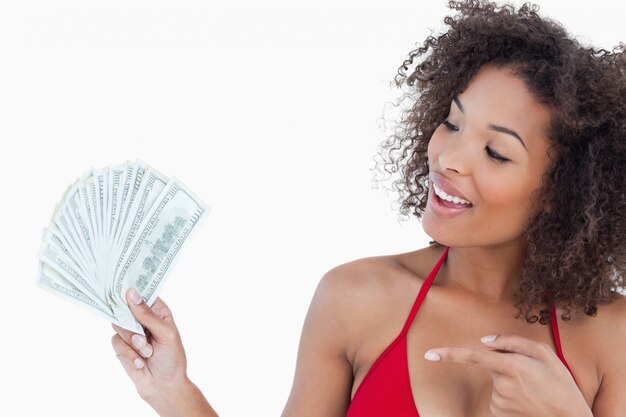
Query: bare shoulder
344 306
605 330
371 292
373 272
374 280
615 310
360 279
597 337
354 288
610 325
604 337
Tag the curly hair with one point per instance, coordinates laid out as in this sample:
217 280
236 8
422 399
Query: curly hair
576 254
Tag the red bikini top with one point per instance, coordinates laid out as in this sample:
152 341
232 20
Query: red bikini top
386 388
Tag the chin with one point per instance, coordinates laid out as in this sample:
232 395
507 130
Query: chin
437 231
444 233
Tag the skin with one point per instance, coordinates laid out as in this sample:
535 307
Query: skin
360 307
488 242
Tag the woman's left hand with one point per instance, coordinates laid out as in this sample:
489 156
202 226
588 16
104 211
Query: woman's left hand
529 379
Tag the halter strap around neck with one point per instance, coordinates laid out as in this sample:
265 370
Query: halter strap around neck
422 292
557 340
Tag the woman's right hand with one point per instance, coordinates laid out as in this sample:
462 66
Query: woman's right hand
157 363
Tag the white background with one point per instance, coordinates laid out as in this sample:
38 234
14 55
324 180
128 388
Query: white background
269 111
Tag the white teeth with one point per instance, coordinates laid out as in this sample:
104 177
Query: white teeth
442 194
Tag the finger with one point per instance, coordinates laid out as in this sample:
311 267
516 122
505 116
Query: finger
162 310
512 342
495 361
126 353
159 328
137 341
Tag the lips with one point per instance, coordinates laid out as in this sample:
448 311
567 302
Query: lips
446 185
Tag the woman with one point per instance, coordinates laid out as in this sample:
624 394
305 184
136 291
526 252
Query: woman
512 154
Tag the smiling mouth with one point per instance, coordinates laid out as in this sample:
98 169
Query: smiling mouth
450 201
451 204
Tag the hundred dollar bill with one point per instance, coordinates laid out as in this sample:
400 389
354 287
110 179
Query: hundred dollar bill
118 177
116 227
78 217
51 280
174 215
128 180
54 257
152 184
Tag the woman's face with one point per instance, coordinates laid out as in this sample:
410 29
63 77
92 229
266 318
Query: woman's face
465 157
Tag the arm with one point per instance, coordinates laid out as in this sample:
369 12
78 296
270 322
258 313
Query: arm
323 375
185 400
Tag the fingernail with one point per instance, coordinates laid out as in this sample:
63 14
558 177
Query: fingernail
488 339
138 363
146 351
138 340
135 296
432 356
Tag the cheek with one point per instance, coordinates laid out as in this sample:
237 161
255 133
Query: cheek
515 186
504 197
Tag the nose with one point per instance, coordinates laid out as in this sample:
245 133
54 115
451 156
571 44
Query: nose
456 155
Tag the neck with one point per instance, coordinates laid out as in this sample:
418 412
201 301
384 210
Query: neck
488 272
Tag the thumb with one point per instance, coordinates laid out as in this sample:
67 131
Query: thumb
158 328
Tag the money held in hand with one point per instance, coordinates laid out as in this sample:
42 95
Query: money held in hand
115 228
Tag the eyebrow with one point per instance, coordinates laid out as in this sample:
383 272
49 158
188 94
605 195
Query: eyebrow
492 126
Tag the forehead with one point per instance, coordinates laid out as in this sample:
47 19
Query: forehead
495 95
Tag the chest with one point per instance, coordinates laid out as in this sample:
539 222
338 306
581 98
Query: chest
445 389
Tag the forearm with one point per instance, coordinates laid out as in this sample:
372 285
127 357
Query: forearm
185 399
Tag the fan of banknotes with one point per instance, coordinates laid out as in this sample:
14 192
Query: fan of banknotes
117 227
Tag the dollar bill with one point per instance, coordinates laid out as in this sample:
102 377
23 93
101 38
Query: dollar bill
114 228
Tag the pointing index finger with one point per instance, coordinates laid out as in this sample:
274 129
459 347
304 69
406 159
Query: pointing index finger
492 360
512 342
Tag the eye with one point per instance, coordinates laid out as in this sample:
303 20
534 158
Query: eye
495 156
449 125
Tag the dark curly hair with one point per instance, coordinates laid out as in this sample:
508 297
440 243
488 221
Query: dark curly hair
576 254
